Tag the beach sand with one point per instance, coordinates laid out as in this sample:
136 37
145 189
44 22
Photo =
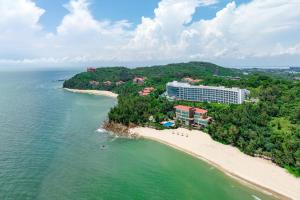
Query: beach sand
257 172
94 92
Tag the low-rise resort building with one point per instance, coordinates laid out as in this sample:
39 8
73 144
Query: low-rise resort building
200 93
192 116
146 91
94 83
91 69
139 80
107 83
119 83
191 80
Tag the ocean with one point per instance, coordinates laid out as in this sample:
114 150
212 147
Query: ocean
51 148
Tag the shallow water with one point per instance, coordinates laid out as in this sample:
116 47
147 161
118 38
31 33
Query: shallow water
51 147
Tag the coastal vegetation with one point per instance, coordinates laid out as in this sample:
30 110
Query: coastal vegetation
267 126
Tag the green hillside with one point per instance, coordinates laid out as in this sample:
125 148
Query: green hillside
156 75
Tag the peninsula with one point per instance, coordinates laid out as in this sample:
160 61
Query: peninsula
254 116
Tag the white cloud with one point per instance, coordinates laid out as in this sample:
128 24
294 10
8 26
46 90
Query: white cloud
80 20
18 27
157 37
79 34
208 2
22 14
254 31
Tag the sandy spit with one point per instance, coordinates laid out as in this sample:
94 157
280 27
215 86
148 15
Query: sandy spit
94 92
256 172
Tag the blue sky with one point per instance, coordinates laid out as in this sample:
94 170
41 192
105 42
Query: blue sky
114 10
67 33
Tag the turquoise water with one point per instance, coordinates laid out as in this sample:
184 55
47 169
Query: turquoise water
50 149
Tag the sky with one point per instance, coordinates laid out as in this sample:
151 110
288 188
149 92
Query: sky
74 33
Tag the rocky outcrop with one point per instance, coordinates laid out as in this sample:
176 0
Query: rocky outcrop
120 129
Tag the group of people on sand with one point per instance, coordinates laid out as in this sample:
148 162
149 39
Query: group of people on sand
181 134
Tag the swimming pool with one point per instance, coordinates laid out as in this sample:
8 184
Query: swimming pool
168 124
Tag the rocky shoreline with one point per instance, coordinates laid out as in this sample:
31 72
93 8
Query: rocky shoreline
120 129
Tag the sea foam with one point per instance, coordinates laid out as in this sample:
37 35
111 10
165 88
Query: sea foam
101 130
255 197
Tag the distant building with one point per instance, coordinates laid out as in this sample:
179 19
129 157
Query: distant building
94 83
297 78
234 78
191 80
184 91
146 91
91 69
107 83
139 80
192 116
119 83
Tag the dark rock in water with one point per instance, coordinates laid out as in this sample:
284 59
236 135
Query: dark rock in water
59 80
119 129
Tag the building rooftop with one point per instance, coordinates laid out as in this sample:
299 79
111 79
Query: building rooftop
187 85
181 107
146 91
201 111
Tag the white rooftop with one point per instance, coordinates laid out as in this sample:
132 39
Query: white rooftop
187 85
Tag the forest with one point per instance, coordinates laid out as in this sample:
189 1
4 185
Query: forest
268 127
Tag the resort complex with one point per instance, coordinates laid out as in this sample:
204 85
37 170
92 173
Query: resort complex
187 92
192 116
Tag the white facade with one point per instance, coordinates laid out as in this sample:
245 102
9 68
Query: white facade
187 92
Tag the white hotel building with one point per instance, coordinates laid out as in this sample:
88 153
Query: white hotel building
184 91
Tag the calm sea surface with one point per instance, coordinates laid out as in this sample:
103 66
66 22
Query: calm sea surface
50 150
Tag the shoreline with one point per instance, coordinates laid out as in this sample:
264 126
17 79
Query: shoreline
93 92
255 172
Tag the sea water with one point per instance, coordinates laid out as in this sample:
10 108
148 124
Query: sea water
52 148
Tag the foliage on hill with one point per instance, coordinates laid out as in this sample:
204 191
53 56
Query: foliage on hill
156 75
268 128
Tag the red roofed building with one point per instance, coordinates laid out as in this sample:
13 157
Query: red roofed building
139 80
200 110
184 114
192 116
191 80
146 91
91 69
200 117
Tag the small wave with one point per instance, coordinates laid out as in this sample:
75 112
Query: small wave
116 137
255 197
101 130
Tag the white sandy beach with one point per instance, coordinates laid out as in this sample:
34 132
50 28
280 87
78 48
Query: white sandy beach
94 92
256 171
